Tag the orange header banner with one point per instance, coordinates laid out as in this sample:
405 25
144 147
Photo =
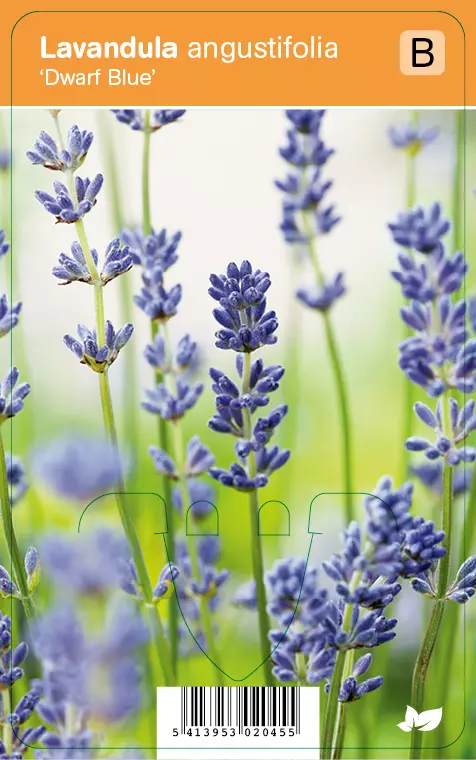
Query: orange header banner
241 57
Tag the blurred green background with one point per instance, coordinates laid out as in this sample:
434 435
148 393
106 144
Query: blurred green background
212 177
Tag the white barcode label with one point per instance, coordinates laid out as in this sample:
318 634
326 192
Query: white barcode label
231 721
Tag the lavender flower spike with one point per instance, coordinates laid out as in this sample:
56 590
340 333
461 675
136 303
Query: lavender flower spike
9 316
134 118
4 245
79 467
464 585
67 209
98 358
74 267
420 230
447 444
246 325
12 395
11 672
16 478
46 151
412 138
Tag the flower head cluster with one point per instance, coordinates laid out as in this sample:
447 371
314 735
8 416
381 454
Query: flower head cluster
430 474
293 593
47 154
315 624
99 358
246 326
79 467
130 583
64 206
245 323
172 405
74 268
423 231
5 159
155 254
201 496
176 393
412 138
96 348
135 118
352 689
441 354
204 581
464 585
16 478
9 315
449 443
7 586
32 567
11 673
96 678
4 244
90 564
198 460
306 213
12 395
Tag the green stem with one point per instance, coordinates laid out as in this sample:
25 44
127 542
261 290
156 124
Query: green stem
293 363
146 175
340 734
332 706
130 389
411 167
16 560
421 669
408 389
341 720
339 379
458 182
333 731
469 529
205 615
110 428
449 634
178 455
7 729
424 656
161 424
256 548
132 538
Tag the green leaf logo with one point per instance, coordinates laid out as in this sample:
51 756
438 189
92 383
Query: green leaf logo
425 721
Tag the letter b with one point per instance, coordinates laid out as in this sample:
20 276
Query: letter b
422 47
422 52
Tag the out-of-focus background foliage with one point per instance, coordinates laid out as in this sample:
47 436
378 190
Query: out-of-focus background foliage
212 177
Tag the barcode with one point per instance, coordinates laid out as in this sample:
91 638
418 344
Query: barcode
240 707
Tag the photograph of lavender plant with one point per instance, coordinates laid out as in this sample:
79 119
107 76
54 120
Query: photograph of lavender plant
237 422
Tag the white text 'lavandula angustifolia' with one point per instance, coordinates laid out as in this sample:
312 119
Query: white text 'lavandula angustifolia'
12 478
307 217
98 347
440 357
245 327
